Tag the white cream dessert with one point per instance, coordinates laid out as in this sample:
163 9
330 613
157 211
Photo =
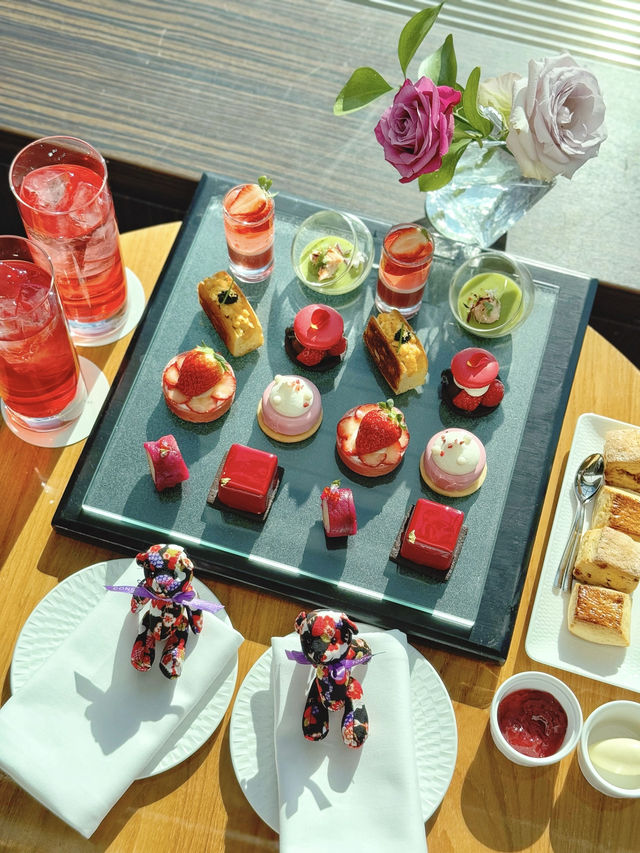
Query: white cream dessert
454 462
290 408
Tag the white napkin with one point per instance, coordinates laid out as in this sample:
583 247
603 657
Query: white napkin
354 799
86 725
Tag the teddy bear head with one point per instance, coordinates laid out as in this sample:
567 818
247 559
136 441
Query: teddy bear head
325 635
167 569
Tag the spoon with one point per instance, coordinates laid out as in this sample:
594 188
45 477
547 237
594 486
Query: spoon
589 477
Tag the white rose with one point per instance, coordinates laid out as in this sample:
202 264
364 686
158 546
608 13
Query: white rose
497 92
556 121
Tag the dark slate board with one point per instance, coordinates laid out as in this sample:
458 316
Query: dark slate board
111 500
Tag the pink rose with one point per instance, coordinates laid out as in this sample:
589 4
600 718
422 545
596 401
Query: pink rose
557 118
416 130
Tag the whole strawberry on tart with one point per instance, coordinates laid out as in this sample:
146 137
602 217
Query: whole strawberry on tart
198 385
371 439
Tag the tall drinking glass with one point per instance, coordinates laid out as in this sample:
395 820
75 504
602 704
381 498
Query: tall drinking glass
249 228
407 252
60 185
40 381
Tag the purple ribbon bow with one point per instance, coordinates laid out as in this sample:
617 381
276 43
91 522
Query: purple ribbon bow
185 598
337 668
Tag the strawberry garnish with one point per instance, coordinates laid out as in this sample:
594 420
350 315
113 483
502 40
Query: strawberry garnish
339 348
466 402
201 369
379 428
310 357
494 395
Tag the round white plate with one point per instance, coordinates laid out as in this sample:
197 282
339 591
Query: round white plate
62 609
252 746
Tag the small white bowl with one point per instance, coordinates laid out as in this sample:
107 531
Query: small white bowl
619 719
564 695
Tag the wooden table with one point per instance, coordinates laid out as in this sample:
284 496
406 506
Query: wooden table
198 806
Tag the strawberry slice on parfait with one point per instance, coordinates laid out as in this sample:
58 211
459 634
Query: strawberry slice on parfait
199 385
371 439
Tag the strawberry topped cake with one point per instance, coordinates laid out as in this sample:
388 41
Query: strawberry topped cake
198 385
372 438
290 409
454 463
471 386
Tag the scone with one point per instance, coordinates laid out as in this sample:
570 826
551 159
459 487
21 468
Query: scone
396 350
622 458
607 557
230 313
600 615
619 509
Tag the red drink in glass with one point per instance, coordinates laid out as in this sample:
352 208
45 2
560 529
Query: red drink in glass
248 212
40 381
61 188
407 252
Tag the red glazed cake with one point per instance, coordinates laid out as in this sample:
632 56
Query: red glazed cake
372 438
338 511
198 385
431 535
316 339
166 464
471 386
247 480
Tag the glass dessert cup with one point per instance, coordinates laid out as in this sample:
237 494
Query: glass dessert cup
41 386
491 284
248 215
405 263
61 188
322 231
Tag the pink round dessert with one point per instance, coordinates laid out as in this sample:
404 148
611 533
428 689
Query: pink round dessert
290 408
454 463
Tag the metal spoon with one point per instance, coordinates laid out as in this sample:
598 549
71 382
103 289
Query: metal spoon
589 477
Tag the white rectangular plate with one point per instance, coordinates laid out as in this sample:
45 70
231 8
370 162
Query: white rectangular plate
548 638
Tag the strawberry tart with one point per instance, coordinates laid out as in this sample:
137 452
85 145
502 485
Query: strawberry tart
372 438
290 409
471 386
454 463
316 340
338 511
198 385
166 464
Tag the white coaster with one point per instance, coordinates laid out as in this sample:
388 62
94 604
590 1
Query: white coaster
97 390
135 307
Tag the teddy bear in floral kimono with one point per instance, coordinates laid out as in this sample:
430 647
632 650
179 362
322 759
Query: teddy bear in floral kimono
329 644
168 573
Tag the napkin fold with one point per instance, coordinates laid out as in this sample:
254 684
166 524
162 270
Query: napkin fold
87 724
334 796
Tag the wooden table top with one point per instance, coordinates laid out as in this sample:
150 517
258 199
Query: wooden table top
491 804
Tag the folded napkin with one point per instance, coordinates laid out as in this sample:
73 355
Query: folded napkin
349 799
87 724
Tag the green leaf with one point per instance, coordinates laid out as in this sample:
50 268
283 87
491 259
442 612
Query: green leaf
413 34
436 180
470 104
364 86
442 65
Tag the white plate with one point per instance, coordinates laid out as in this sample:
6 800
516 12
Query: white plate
62 609
253 753
548 638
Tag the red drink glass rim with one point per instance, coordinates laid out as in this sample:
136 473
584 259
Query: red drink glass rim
30 252
419 262
75 145
243 220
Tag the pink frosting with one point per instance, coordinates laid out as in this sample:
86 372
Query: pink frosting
288 425
452 482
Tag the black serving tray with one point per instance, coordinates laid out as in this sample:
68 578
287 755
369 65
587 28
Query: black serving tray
111 500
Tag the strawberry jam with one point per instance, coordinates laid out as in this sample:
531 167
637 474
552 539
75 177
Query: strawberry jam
533 722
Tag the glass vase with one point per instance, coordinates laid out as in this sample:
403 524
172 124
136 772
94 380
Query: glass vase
486 196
